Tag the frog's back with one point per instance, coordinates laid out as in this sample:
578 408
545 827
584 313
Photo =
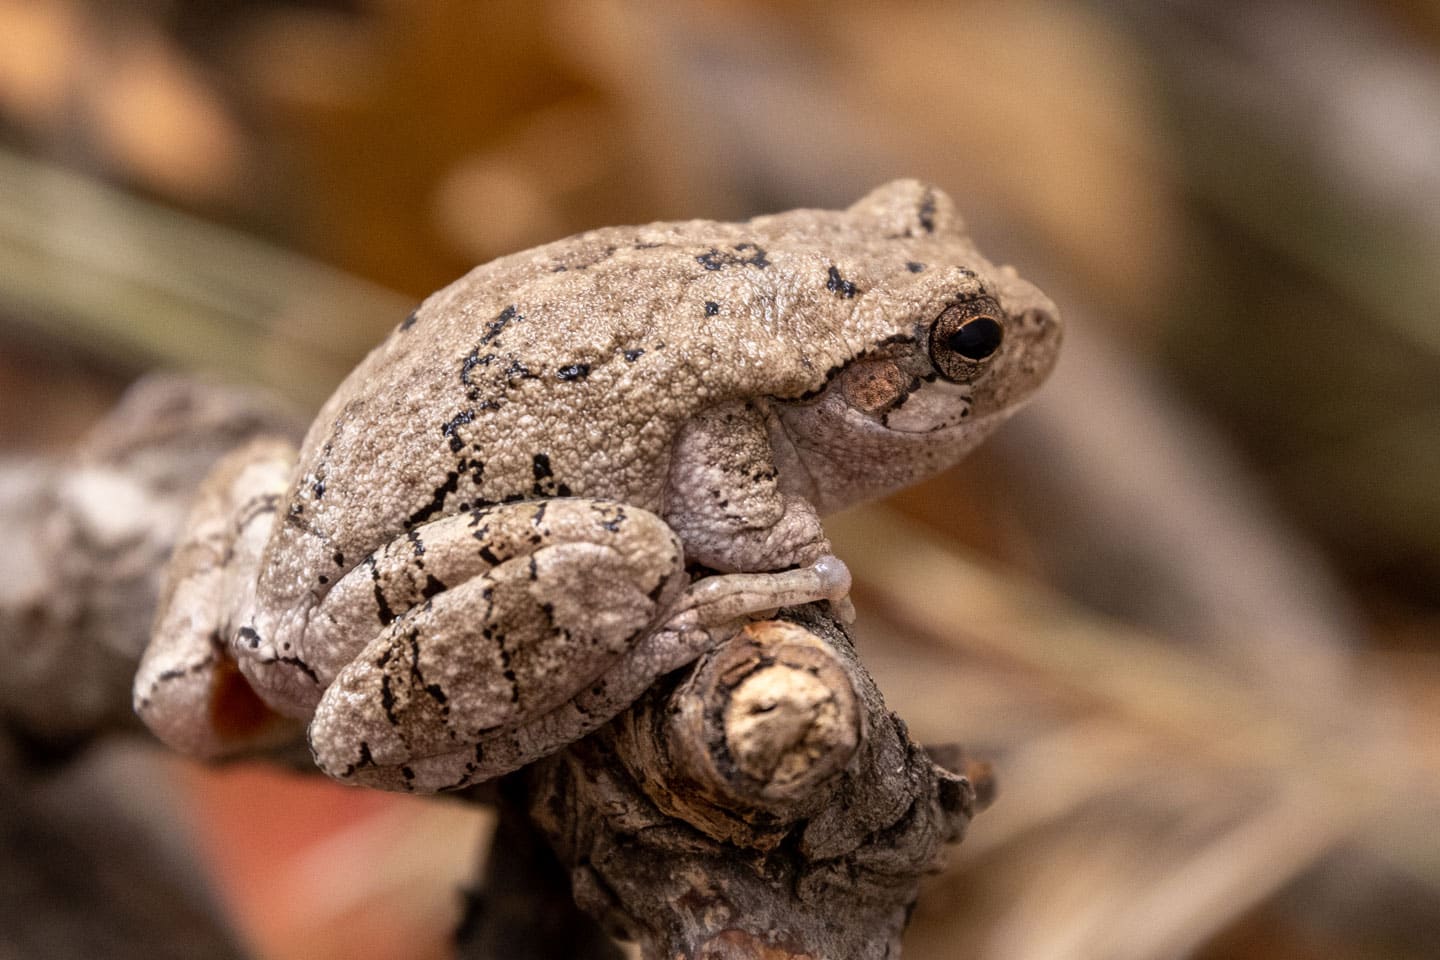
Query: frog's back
569 369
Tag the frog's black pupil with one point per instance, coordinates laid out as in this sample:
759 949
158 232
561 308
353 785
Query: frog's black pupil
976 340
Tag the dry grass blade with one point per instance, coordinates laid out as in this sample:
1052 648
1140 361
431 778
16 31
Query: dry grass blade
110 272
1164 793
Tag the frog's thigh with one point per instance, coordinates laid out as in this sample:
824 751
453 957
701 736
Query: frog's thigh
438 556
491 654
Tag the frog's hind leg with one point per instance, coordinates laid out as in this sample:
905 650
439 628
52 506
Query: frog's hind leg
478 626
529 625
188 689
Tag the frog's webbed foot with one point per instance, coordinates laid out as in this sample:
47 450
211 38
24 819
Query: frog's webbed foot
188 689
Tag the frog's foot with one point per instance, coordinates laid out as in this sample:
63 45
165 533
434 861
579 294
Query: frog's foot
187 688
721 600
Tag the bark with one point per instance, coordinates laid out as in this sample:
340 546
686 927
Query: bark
523 910
762 804
88 535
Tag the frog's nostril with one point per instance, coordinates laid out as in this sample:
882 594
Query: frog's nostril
977 339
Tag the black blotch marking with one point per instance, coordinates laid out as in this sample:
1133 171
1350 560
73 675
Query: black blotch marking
538 517
494 327
518 371
339 558
756 259
387 695
467 367
432 586
258 507
839 285
717 259
365 760
632 355
387 616
614 523
433 689
486 553
505 669
926 212
914 267
437 500
302 666
409 775
450 429
711 308
416 543
534 568
248 635
323 579
574 371
544 478
175 673
409 321
318 488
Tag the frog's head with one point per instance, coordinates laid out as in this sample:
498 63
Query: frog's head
946 346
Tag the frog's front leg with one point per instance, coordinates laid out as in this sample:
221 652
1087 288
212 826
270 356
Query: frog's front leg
726 500
188 688
533 623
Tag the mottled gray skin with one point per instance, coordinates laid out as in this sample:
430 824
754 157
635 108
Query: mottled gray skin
485 547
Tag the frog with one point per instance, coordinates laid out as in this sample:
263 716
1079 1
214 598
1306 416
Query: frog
572 472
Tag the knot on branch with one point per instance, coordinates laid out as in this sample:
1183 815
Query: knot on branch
743 746
766 805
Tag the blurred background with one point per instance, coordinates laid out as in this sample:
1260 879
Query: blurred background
1188 602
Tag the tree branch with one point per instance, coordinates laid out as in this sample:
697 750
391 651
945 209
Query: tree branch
763 804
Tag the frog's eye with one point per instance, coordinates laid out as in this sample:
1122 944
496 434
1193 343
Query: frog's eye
965 338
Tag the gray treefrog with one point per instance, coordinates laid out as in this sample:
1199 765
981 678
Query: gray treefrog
574 470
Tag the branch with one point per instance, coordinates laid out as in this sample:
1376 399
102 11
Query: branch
763 803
